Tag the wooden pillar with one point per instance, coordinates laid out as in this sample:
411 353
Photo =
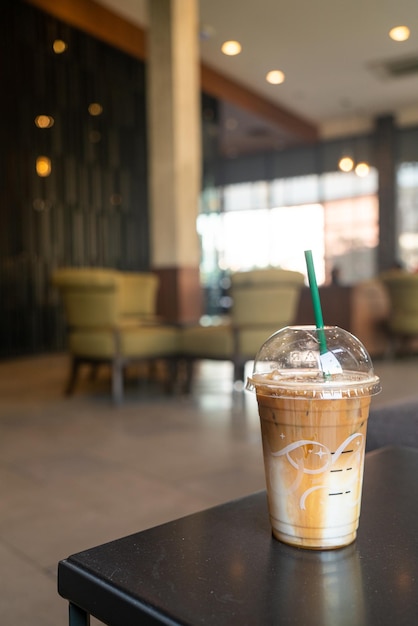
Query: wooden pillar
175 161
385 159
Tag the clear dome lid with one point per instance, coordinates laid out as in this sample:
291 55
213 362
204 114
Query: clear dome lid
304 361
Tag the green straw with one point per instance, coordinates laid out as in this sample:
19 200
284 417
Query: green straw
316 302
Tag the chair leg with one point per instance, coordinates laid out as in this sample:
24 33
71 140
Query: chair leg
171 375
188 368
117 382
239 369
93 371
75 364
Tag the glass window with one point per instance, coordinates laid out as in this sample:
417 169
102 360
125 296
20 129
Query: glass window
294 230
210 200
339 185
266 224
301 190
211 245
351 237
407 215
245 196
245 240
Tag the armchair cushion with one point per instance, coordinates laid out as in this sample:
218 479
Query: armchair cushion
142 342
150 342
267 297
211 342
137 295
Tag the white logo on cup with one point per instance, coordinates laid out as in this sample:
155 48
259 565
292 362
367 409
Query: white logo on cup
328 460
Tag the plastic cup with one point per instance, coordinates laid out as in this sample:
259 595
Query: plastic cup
313 431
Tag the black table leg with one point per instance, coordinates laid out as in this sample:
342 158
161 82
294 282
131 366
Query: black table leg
78 617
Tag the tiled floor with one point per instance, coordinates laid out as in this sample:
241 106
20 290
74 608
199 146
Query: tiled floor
76 472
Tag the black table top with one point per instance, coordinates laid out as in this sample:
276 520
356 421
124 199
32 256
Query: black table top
222 567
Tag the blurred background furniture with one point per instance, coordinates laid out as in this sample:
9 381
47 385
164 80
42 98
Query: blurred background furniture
111 319
138 297
369 316
262 302
362 309
402 290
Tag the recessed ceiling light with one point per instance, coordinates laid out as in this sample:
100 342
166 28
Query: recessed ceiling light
275 77
362 169
399 33
231 48
346 164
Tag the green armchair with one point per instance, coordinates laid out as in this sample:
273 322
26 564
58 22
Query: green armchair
263 301
402 290
111 319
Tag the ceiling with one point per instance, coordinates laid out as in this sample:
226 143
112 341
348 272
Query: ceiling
333 53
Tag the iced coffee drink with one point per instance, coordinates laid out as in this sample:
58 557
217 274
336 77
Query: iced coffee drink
313 432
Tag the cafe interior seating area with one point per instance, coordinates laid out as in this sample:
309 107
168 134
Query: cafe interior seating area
112 319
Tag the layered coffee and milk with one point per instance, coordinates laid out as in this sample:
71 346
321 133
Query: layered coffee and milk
313 428
313 451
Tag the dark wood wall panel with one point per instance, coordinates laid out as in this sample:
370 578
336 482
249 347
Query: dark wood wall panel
93 208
